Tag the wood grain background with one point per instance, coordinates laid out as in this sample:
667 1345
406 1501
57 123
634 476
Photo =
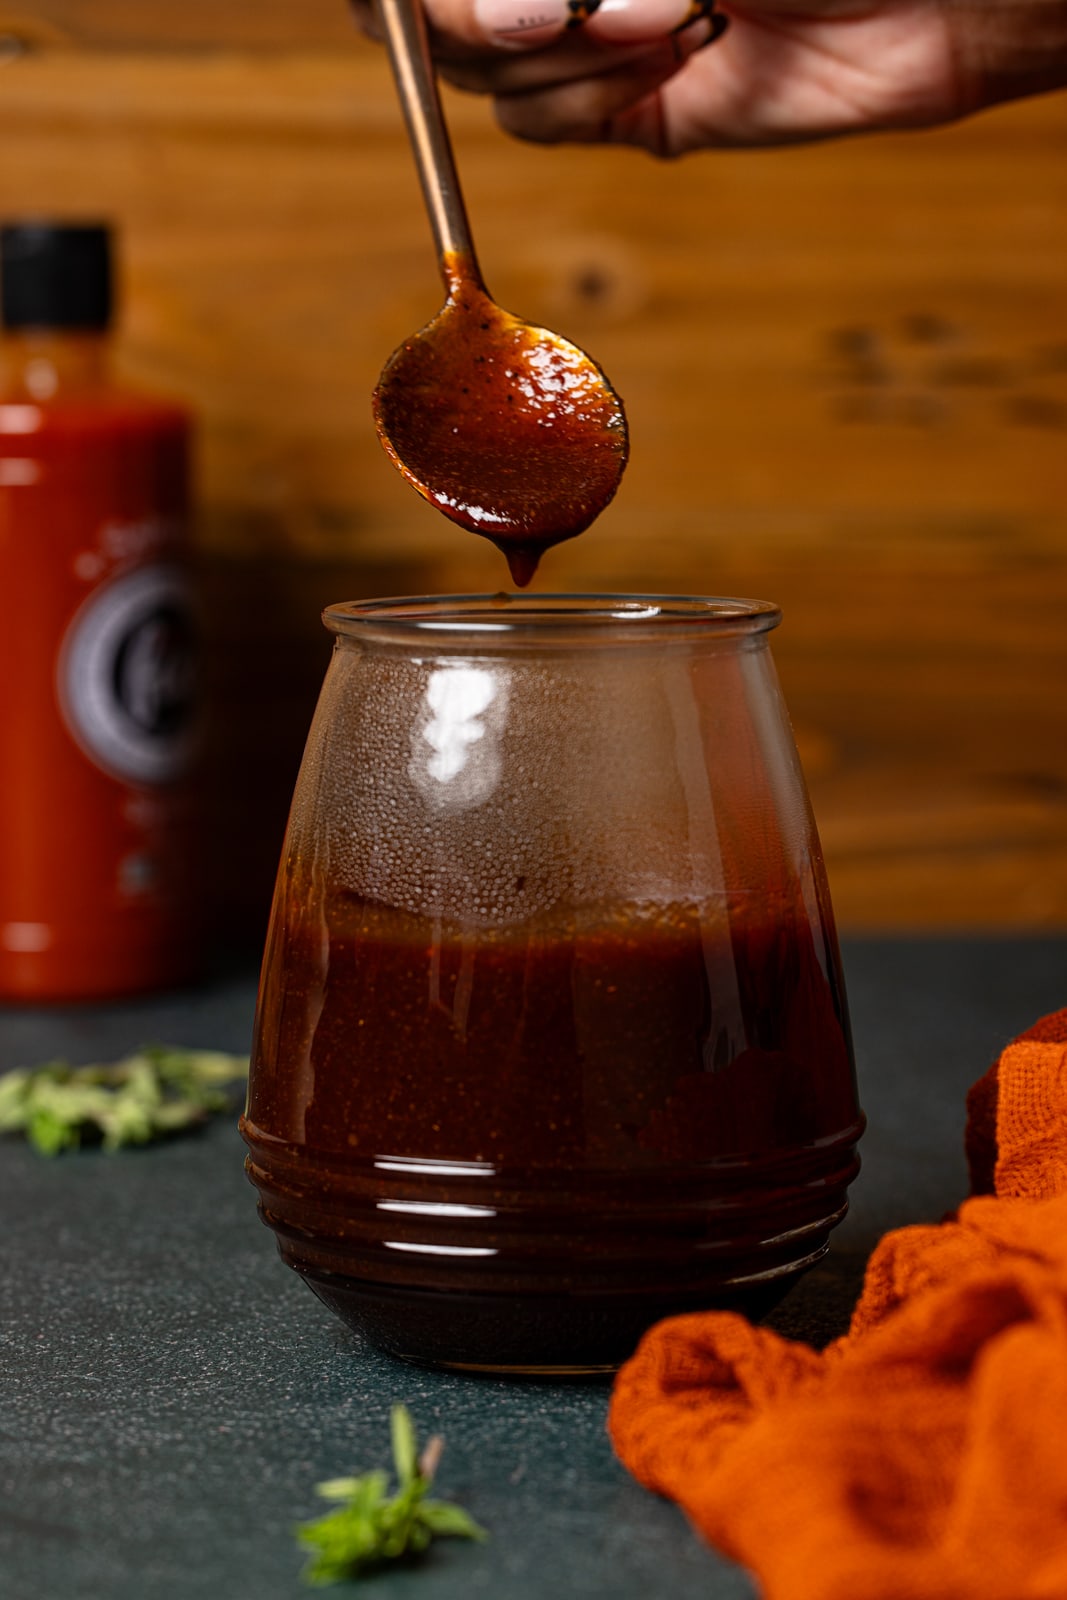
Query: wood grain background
845 370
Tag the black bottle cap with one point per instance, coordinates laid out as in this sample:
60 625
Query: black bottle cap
55 275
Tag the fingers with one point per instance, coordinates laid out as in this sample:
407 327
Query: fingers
733 96
575 70
581 58
768 85
584 109
476 33
636 71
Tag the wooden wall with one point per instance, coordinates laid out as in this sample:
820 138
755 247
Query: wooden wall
845 370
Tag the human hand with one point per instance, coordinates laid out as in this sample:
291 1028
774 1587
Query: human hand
786 71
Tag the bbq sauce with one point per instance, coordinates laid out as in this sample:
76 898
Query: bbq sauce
508 429
519 1147
98 652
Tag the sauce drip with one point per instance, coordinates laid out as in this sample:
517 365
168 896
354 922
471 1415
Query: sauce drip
510 430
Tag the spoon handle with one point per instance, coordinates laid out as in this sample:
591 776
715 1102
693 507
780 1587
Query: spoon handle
416 81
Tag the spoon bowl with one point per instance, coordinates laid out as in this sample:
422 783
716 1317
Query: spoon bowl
507 428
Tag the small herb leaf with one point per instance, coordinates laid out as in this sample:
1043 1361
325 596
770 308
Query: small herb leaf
367 1530
156 1092
447 1520
345 1488
405 1450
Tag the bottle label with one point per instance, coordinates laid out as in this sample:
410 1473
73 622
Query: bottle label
127 676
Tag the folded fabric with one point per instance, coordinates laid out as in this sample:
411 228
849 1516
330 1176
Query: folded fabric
924 1455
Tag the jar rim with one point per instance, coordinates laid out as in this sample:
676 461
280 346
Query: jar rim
561 618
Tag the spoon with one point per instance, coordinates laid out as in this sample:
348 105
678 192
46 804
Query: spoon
509 429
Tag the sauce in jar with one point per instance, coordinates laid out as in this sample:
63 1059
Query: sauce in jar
547 1136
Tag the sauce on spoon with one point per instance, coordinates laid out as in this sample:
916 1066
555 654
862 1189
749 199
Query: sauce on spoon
507 428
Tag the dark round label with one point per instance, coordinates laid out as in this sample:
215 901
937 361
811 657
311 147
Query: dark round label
127 676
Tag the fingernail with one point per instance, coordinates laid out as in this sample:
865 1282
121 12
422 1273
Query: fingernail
697 33
719 24
524 24
704 10
686 41
630 21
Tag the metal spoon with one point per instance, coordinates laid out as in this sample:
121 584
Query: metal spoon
509 429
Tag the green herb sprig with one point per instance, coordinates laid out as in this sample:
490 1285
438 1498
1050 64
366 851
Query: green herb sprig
157 1092
370 1530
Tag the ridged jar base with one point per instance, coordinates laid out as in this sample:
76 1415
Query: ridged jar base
544 1273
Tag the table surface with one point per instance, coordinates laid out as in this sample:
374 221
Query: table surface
171 1393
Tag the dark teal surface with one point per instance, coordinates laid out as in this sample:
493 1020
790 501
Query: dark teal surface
170 1393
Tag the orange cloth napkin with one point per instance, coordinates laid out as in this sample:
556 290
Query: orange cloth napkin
924 1455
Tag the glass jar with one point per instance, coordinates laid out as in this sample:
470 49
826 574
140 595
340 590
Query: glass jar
552 1037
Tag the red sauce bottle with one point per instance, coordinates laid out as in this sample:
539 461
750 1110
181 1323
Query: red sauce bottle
97 646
